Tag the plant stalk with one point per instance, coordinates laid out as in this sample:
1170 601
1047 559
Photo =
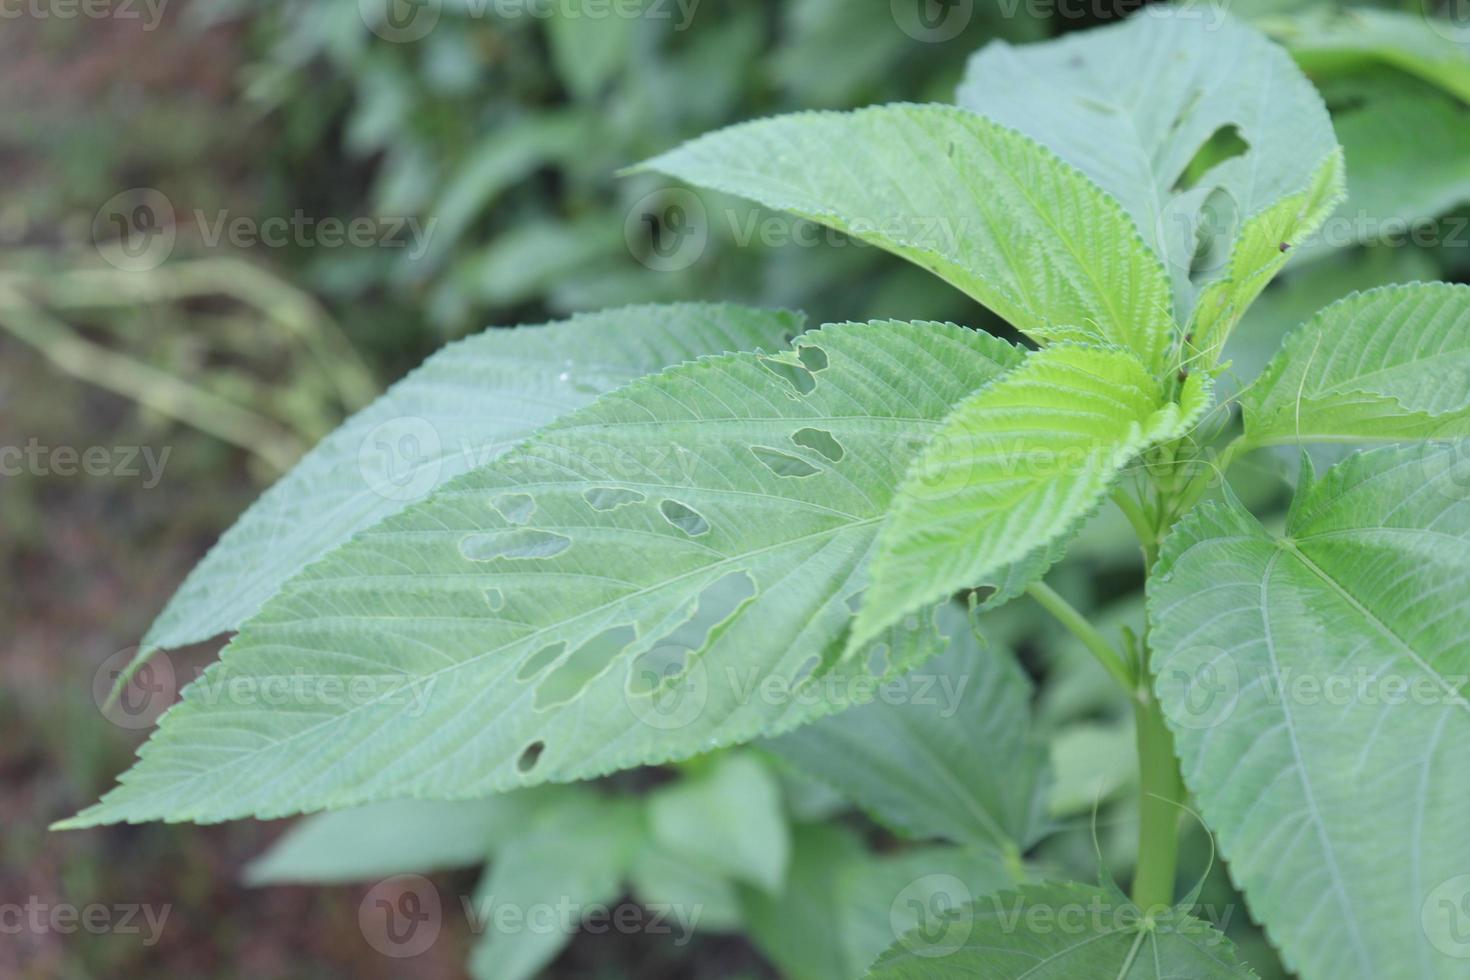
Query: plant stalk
1161 799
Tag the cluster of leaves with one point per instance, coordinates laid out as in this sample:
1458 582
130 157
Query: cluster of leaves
600 562
502 132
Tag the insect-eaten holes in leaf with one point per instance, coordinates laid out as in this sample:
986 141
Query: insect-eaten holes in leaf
783 464
539 661
519 543
496 599
819 441
801 380
611 498
668 657
529 756
516 508
812 357
684 517
571 677
1225 143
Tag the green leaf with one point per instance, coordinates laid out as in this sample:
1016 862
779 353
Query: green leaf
544 881
1061 932
395 837
662 878
1016 467
943 752
977 204
1326 40
1149 109
1093 762
1315 686
842 905
462 408
1391 363
634 585
886 896
728 820
1408 160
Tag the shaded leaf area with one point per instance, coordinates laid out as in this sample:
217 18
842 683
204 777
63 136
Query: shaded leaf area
1061 932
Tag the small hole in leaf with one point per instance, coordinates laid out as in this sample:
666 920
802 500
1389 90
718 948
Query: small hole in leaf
519 543
795 375
855 601
516 508
611 498
783 464
1224 144
672 653
539 661
685 518
819 441
496 598
530 755
572 675
813 357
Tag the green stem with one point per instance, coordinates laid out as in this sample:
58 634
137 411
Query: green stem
1160 797
1079 627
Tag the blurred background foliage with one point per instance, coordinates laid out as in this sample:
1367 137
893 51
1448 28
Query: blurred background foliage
500 138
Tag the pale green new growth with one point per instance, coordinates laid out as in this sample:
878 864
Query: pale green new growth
1013 469
978 204
1389 364
1061 932
1315 685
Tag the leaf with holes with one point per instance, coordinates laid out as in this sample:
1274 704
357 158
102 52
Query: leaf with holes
1315 684
523 625
465 406
1197 123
